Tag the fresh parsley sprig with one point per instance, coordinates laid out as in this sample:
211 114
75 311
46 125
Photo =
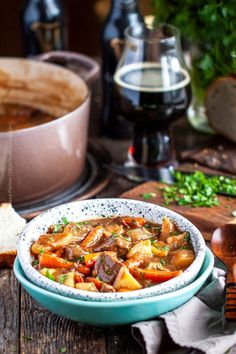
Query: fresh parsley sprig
209 25
197 190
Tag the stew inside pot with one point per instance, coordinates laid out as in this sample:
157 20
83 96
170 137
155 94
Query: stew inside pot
16 117
112 254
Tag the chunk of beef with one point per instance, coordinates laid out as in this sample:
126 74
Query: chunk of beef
114 228
139 234
105 288
73 252
114 243
106 268
95 236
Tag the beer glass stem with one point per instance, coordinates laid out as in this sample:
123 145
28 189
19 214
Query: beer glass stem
152 146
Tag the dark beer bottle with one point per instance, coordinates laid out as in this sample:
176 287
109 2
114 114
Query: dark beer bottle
123 13
42 26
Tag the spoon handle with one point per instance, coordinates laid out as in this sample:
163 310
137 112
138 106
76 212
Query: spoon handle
230 297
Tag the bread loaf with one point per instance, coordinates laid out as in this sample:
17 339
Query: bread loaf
11 224
221 106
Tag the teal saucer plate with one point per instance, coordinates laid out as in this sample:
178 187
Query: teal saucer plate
114 313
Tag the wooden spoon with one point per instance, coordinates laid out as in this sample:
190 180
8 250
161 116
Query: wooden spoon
223 244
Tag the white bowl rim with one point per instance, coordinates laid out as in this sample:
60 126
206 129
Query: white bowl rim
182 280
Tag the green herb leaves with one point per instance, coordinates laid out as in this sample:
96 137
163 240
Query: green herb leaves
197 190
58 227
49 275
62 278
147 196
80 259
64 220
35 263
209 25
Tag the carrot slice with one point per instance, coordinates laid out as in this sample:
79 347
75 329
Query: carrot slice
83 269
52 261
97 282
156 276
134 222
92 237
78 278
60 252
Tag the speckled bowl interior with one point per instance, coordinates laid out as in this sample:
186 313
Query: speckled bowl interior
97 208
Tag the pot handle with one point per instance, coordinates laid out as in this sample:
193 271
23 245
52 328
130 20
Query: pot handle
82 65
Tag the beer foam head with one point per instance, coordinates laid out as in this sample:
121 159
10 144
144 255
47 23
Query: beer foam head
150 77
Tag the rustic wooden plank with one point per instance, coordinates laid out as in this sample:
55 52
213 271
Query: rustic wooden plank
44 332
9 309
120 340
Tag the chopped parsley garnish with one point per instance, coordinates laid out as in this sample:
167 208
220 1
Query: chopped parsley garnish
64 220
162 248
80 259
183 248
49 276
148 196
35 262
197 189
114 235
62 278
56 228
126 238
174 233
41 251
80 224
163 262
187 236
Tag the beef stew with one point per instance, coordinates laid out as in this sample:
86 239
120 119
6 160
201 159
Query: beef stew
112 254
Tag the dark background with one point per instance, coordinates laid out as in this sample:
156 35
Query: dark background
85 18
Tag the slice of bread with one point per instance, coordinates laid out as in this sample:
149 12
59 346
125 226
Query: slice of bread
11 224
221 106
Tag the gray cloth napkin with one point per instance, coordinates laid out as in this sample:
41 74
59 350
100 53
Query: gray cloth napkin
193 328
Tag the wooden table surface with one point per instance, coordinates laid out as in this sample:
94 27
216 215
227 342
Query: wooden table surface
26 327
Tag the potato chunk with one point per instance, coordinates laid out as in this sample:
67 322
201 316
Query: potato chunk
182 259
178 241
125 280
67 279
86 286
51 242
141 250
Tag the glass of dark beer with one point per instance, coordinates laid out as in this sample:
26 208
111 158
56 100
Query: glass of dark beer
153 89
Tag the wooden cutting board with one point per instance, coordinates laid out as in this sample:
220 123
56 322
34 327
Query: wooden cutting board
205 219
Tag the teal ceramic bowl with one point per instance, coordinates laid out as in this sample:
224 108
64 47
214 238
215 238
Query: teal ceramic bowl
117 312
